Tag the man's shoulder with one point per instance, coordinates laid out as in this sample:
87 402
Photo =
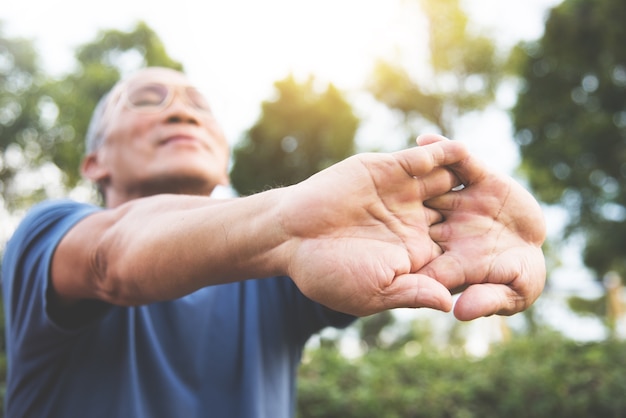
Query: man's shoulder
46 217
59 206
52 210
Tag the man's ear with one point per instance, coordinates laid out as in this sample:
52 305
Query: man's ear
93 169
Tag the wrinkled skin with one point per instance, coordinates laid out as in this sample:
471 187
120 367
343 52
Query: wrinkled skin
362 257
491 239
421 240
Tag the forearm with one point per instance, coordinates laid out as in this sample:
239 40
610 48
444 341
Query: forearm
164 247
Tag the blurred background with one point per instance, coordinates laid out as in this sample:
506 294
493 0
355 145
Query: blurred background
536 88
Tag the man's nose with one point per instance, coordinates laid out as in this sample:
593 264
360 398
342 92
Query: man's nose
180 110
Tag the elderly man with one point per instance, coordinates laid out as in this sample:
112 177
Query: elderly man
168 303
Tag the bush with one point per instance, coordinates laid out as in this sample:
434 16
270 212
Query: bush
545 376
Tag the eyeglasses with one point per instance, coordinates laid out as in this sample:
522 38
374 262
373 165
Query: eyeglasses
154 97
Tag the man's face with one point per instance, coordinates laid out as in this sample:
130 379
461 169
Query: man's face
161 137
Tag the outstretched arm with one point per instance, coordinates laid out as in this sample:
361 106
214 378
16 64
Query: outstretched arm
491 236
351 237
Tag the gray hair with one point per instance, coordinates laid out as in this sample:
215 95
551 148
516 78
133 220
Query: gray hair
95 131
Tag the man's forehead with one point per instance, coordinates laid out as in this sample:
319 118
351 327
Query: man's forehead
162 75
141 77
145 75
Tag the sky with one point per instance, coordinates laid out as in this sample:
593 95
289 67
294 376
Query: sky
234 51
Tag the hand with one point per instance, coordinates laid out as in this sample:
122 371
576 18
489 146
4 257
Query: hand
491 236
359 231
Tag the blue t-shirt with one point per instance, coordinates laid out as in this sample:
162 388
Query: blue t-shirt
223 351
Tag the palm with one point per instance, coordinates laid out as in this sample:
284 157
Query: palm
491 236
362 257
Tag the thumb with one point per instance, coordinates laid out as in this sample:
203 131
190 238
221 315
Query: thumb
417 291
426 139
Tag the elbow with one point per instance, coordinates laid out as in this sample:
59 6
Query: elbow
108 284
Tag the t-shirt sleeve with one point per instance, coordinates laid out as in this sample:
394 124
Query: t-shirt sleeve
26 274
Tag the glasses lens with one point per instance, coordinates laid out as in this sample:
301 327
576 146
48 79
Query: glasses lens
197 99
148 95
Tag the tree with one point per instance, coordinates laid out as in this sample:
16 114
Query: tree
21 110
299 133
465 70
570 122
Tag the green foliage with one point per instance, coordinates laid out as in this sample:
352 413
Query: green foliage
371 327
570 123
546 376
584 306
299 133
465 66
20 120
19 76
